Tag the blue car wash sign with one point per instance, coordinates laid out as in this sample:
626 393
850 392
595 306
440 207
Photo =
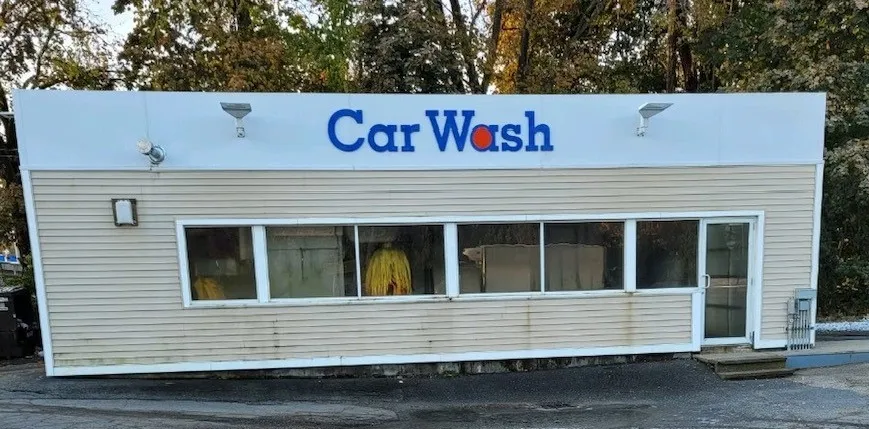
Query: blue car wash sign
451 130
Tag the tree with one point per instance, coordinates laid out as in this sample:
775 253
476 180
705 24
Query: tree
43 44
568 46
212 45
844 275
406 47
324 46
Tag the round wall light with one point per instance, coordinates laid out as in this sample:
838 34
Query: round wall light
155 154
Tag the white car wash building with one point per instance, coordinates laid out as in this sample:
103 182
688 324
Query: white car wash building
334 229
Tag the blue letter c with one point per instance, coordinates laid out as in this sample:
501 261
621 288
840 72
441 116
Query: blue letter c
356 115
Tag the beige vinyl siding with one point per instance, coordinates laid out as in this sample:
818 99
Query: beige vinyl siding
146 336
114 294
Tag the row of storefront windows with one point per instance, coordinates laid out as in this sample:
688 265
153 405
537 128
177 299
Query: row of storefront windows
359 261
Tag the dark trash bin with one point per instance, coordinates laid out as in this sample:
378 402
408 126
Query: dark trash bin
18 327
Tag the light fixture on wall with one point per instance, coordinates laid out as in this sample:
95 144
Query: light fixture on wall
155 154
647 111
125 212
237 111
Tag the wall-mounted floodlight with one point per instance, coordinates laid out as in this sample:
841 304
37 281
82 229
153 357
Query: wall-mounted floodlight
124 212
647 111
155 154
238 111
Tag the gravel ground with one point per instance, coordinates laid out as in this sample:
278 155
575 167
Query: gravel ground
852 326
854 378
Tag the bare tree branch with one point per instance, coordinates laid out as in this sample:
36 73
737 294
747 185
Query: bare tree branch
524 42
37 69
592 11
480 8
437 8
24 21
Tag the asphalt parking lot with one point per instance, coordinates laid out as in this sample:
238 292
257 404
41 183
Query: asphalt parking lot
671 394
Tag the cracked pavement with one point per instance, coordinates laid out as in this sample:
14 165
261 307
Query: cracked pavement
671 394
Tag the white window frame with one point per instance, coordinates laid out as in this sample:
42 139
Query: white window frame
701 243
626 238
450 225
260 256
184 268
542 254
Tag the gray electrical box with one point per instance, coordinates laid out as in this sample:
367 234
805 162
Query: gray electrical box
806 294
800 324
804 298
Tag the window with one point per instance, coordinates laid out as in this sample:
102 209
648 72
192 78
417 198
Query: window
667 254
220 263
311 262
265 263
499 258
402 260
315 261
584 256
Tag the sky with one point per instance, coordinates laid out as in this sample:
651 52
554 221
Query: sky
119 25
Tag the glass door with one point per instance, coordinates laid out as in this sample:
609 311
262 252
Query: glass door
726 262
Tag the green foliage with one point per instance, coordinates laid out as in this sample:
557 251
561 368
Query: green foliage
13 219
212 45
324 46
844 274
25 278
406 47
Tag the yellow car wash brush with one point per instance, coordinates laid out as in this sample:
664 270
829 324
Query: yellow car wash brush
388 273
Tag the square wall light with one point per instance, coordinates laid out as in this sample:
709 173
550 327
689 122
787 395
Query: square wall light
124 212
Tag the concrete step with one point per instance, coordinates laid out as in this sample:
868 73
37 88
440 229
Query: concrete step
732 366
743 362
757 374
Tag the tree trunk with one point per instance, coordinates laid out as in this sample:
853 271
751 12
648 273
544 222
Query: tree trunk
523 61
671 45
686 56
241 10
437 11
465 43
9 162
494 39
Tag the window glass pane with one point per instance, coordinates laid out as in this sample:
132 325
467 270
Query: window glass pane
499 258
221 263
584 256
667 254
402 260
311 262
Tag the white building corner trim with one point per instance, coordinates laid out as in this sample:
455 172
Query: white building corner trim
38 276
757 291
816 242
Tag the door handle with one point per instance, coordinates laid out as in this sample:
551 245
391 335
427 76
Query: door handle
707 281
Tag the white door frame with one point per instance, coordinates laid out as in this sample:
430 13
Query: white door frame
753 291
